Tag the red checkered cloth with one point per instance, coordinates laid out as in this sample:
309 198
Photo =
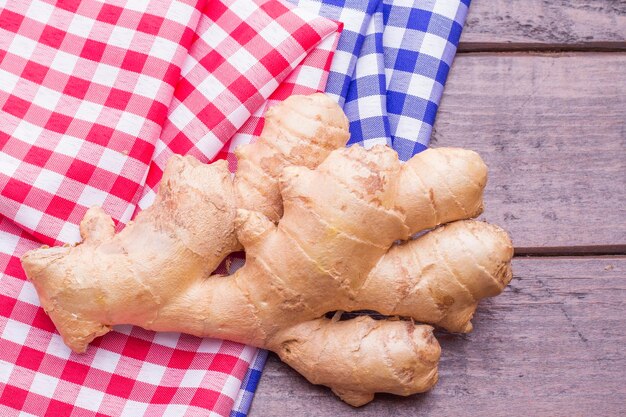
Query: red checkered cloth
243 56
85 119
307 78
84 91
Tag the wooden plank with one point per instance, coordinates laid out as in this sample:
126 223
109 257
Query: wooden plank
551 345
544 24
552 129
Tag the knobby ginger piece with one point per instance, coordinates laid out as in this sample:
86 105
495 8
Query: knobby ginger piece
324 237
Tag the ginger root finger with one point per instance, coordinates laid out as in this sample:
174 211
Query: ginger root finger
360 357
441 185
109 278
440 277
300 131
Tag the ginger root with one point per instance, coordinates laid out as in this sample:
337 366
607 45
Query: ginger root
340 213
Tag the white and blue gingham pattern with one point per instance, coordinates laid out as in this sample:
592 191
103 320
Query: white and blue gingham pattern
388 73
249 384
391 64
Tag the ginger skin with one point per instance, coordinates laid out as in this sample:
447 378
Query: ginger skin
333 248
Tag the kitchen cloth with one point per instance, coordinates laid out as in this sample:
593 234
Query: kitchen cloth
391 64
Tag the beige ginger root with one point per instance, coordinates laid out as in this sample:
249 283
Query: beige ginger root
333 248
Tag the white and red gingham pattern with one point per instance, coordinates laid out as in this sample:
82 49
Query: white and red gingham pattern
130 372
308 77
244 53
84 90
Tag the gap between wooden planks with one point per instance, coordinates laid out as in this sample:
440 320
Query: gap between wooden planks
552 129
552 344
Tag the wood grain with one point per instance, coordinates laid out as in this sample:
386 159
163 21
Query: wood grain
551 345
552 129
544 24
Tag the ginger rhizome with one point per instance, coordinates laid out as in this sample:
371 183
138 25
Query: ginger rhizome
321 226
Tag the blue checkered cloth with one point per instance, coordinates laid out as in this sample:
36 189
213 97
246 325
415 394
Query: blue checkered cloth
391 64
388 73
249 384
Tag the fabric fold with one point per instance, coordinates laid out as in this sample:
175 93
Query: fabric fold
308 77
419 40
366 98
243 52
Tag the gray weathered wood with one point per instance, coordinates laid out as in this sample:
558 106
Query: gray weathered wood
553 344
545 24
552 129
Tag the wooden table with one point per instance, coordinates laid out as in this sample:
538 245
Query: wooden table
539 89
